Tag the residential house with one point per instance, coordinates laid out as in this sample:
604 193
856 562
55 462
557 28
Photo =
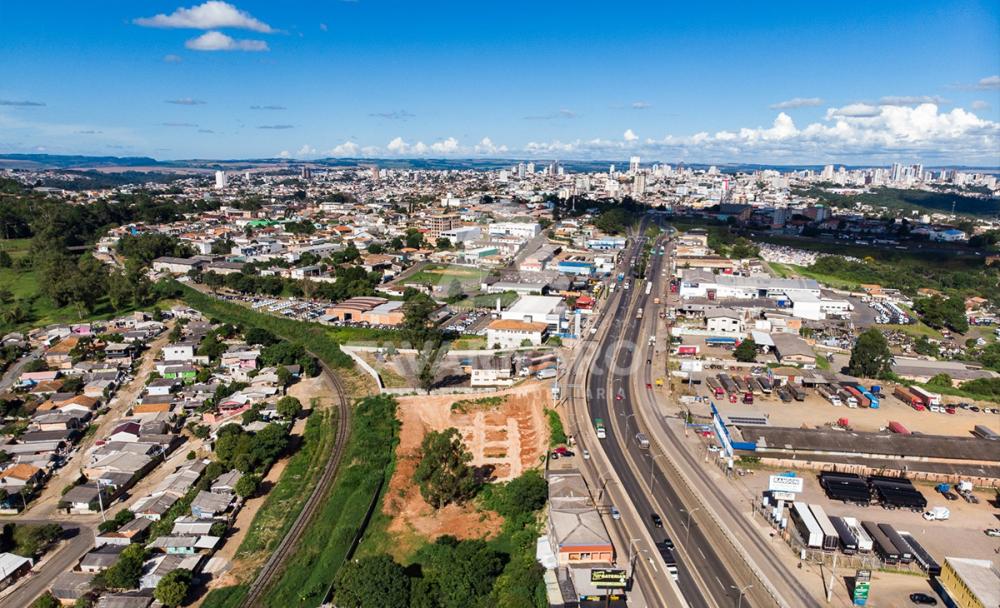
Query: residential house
208 505
18 476
156 568
101 558
134 531
12 568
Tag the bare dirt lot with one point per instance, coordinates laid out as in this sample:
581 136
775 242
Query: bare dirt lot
509 438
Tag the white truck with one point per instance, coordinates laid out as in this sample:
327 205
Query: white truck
937 514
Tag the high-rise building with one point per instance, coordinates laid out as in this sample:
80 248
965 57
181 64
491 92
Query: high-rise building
220 180
375 174
531 168
521 170
639 184
306 173
633 165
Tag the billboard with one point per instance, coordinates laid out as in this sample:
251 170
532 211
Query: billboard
608 579
781 483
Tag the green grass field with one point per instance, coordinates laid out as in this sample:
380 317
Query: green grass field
916 330
17 248
436 274
24 284
791 270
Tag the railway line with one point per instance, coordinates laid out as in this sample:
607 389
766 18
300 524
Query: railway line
275 562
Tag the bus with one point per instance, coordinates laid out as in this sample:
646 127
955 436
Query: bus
599 427
806 524
848 542
831 538
882 545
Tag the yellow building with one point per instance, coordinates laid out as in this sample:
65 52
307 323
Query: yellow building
971 583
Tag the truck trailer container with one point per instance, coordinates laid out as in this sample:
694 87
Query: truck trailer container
865 542
848 542
806 525
898 428
926 396
831 539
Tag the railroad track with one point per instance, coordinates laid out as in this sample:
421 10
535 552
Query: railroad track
272 567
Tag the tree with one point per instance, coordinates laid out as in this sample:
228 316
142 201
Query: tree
417 311
173 588
289 407
127 570
247 486
870 357
943 380
257 335
371 582
444 475
525 493
746 352
443 243
455 291
285 377
46 600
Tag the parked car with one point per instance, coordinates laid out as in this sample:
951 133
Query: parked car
923 599
994 532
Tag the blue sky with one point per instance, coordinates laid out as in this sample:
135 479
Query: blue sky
771 82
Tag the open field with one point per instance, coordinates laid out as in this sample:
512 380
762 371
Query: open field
437 274
504 440
16 248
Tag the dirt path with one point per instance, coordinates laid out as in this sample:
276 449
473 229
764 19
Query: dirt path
309 391
45 505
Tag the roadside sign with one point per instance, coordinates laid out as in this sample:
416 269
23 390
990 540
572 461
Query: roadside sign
780 483
608 579
862 586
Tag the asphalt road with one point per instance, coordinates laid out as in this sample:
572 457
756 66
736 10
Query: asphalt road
79 540
701 572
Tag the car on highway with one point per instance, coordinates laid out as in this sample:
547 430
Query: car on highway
923 599
620 395
657 521
586 454
649 385
994 532
615 513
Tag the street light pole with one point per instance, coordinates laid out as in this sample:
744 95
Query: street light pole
687 535
626 424
743 590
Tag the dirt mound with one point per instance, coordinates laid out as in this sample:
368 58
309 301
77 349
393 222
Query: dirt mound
506 440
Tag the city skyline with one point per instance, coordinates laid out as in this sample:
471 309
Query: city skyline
774 84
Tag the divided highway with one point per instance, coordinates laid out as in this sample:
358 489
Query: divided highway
703 576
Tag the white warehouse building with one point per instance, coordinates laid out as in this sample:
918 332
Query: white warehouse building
702 284
524 230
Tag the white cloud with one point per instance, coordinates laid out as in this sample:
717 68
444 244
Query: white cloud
285 154
348 148
909 100
797 102
398 146
486 146
990 82
447 146
979 104
640 105
854 110
210 15
306 150
217 41
858 131
630 135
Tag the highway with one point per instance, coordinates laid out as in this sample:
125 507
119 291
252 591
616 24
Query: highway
703 577
716 566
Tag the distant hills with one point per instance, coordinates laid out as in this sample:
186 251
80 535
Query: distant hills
71 162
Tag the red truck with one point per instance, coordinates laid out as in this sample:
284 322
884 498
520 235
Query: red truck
909 398
862 400
898 428
687 351
748 398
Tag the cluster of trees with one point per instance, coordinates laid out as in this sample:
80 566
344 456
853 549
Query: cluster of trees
941 312
126 572
289 353
443 474
144 248
746 352
909 274
351 281
870 356
28 540
453 573
250 452
895 198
